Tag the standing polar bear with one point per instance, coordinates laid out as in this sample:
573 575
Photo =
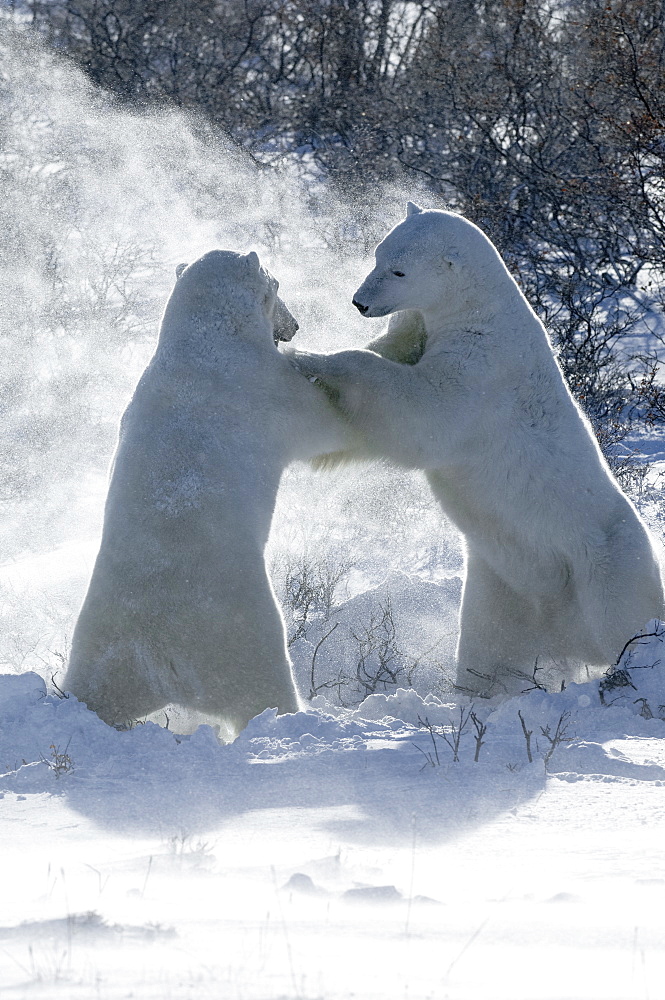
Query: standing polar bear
180 607
559 568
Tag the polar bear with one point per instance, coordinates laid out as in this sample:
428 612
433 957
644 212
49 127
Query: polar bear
559 568
179 606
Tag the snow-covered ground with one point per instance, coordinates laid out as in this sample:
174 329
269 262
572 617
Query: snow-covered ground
336 855
341 852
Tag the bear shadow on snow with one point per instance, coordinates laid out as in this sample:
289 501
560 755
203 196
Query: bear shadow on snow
365 779
362 796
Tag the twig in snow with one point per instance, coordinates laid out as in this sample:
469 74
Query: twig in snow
528 733
560 735
313 689
481 729
432 760
454 735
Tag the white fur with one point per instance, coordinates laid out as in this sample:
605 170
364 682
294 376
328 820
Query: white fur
180 607
559 566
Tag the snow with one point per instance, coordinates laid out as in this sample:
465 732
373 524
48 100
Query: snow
340 853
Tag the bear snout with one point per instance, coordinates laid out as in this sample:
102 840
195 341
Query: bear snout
360 307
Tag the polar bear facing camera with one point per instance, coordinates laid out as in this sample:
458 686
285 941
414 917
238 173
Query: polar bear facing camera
180 607
560 570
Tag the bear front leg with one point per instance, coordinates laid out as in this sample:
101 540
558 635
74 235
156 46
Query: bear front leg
397 410
405 339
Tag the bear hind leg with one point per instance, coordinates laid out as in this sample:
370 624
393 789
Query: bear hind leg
117 686
498 644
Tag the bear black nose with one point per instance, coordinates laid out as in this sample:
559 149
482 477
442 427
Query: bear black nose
363 309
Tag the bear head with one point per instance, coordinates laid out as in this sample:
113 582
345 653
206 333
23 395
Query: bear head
429 257
221 278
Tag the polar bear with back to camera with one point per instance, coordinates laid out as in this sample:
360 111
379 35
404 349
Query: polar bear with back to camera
560 571
180 607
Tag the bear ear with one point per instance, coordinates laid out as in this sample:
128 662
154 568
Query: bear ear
412 209
253 261
179 269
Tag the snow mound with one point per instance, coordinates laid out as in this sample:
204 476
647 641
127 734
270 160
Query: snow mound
400 633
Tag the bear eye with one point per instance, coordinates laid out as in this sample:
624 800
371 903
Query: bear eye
399 274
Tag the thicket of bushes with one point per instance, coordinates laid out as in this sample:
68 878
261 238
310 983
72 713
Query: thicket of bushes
542 121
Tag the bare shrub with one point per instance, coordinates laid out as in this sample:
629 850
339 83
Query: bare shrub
59 760
451 735
556 736
619 676
380 661
308 586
